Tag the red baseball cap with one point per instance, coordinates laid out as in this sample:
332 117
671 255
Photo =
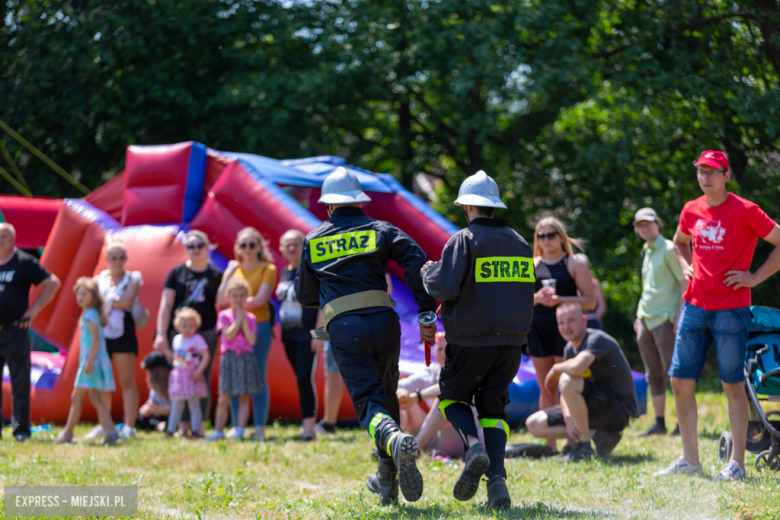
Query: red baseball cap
713 158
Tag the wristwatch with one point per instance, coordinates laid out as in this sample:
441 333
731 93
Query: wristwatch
419 396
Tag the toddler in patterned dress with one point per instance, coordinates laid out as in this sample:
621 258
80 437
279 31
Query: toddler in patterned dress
190 357
95 374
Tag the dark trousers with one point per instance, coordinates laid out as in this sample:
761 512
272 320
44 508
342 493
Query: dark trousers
366 348
481 374
302 360
150 423
15 352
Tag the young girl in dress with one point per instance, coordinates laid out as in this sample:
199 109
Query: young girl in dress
186 384
239 373
94 374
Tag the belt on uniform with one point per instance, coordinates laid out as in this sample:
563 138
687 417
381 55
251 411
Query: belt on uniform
349 303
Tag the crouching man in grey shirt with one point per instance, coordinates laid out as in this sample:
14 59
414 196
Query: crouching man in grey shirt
598 396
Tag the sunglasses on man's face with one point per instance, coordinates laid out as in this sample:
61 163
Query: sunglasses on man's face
701 172
195 247
247 245
547 236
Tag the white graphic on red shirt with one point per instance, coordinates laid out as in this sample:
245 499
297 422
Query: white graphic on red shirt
710 234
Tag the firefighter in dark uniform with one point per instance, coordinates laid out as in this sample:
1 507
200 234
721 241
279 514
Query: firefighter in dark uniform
342 271
485 281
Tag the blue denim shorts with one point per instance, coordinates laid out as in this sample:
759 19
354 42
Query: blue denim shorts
330 360
698 330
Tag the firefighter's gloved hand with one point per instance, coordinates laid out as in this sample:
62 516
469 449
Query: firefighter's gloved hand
428 333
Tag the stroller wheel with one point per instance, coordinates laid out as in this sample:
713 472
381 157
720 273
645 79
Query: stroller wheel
765 462
724 447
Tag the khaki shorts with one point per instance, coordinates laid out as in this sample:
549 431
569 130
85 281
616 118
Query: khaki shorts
656 348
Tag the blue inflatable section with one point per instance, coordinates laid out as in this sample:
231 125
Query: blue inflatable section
196 176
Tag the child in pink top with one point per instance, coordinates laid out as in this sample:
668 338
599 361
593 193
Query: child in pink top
186 383
239 373
239 343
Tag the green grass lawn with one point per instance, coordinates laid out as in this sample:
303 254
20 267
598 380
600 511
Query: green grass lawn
281 478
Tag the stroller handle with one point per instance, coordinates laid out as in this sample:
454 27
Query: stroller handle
772 373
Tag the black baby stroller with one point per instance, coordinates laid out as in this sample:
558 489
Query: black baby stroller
762 383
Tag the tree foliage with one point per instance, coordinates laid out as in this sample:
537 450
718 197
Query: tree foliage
584 109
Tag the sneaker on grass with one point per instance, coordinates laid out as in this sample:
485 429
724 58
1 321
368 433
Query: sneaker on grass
94 433
605 442
579 451
110 438
731 471
679 466
655 429
127 432
324 427
216 436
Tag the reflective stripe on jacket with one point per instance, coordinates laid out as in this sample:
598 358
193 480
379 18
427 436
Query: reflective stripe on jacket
485 281
348 253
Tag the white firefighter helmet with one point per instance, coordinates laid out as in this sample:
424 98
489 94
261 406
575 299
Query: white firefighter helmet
479 190
342 187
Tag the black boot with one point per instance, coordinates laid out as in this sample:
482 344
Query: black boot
402 448
498 494
495 446
477 463
384 482
605 442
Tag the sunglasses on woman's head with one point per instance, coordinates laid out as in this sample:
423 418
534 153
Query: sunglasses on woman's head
547 236
247 245
195 247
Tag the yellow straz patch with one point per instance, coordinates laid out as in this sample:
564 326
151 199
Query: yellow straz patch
587 374
343 244
505 269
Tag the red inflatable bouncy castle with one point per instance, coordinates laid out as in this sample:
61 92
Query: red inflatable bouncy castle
163 192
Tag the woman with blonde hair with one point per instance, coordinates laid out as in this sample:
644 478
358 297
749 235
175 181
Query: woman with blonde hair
253 264
192 284
119 290
560 278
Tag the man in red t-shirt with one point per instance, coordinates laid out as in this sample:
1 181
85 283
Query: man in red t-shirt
723 230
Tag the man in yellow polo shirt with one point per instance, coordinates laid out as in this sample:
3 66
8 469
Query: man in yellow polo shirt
662 285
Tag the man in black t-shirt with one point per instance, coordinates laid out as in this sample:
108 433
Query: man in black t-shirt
18 272
598 396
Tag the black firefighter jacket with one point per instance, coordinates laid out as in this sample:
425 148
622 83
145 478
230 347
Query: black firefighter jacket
485 281
348 254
